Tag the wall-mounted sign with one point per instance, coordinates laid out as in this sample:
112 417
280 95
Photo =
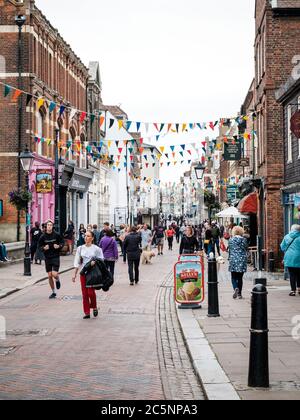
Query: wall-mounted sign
295 124
44 181
297 208
1 208
232 150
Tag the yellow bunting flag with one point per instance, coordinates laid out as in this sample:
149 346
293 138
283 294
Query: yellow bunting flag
184 127
120 122
162 149
41 102
109 143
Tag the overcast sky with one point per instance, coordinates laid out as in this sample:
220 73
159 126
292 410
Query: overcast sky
164 60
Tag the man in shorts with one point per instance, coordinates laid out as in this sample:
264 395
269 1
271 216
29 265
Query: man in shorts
160 239
51 244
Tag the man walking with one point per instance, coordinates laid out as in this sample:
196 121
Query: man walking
146 237
51 244
160 239
216 234
132 248
105 229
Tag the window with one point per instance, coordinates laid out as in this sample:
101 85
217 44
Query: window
289 145
40 131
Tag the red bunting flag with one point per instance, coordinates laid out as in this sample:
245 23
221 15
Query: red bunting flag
120 149
16 94
82 117
156 126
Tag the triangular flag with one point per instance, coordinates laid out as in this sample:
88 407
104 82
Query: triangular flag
93 118
111 123
141 149
172 148
61 110
120 124
161 127
177 128
184 127
73 112
183 146
120 149
52 107
109 143
102 119
169 127
162 149
16 94
28 99
138 125
41 102
82 117
7 90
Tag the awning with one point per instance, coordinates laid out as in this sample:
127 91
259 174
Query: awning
231 212
249 204
81 180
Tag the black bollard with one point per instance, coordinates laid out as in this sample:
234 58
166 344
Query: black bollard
213 296
259 341
271 262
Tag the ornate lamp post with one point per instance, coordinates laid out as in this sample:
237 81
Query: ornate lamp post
26 159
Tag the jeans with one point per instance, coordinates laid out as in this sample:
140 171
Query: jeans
217 244
133 270
3 253
237 281
110 265
294 278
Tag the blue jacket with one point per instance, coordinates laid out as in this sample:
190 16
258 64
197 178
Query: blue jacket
238 247
291 247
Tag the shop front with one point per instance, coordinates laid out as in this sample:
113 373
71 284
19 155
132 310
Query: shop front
291 203
77 200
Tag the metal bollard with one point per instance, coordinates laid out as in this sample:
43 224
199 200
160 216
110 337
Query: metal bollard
259 341
213 296
271 262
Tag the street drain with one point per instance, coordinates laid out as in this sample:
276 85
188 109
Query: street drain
4 351
28 333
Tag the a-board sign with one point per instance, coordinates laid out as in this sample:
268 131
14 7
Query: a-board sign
189 282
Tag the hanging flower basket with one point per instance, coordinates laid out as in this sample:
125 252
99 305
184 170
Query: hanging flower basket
20 199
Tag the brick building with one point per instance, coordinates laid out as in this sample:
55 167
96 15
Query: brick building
52 71
276 44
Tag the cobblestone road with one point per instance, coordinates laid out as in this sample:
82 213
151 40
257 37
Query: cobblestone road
51 353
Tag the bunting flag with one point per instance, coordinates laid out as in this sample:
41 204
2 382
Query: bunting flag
111 123
28 99
16 95
52 106
61 110
120 124
138 125
102 120
93 119
41 102
7 90
82 117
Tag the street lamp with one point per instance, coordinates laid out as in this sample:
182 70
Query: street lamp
20 21
200 169
26 159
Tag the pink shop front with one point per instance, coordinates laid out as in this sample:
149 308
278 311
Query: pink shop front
41 181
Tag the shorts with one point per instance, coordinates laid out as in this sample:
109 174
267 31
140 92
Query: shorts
52 265
160 241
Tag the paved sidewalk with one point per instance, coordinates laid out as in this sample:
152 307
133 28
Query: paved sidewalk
229 338
13 280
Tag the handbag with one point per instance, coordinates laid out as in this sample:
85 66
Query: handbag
223 247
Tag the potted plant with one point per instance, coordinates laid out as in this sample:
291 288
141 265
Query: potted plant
20 199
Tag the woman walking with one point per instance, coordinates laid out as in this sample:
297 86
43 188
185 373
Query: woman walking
170 236
238 247
109 247
189 244
69 237
84 255
81 235
132 248
291 247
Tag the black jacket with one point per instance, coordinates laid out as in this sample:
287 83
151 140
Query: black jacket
132 246
97 277
189 245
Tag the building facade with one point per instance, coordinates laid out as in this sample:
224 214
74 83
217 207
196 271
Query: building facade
276 44
51 73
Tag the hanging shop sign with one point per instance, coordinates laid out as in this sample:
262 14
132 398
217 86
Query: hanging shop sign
232 150
44 181
295 124
244 163
189 282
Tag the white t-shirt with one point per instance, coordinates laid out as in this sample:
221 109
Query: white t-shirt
87 253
